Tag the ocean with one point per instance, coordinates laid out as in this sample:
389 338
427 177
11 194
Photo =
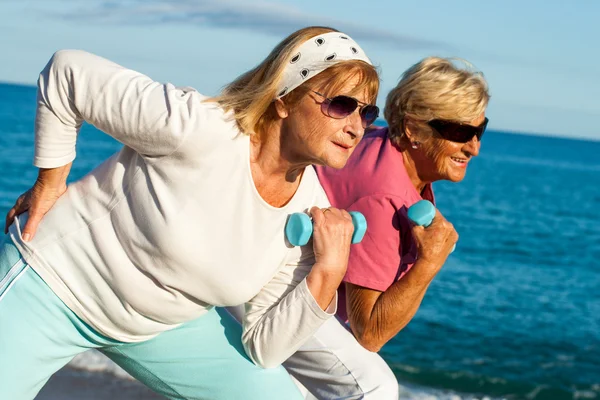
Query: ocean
514 313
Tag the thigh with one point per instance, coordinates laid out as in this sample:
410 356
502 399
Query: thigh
333 365
202 359
38 333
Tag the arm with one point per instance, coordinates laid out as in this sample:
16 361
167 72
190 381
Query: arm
378 311
302 295
283 316
376 317
75 86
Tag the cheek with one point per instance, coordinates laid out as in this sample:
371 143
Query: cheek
320 130
440 150
450 149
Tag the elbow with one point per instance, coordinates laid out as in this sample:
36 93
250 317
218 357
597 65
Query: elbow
58 67
261 358
370 342
264 361
267 363
64 62
62 59
368 336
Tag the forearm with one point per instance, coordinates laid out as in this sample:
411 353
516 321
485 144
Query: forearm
279 320
392 310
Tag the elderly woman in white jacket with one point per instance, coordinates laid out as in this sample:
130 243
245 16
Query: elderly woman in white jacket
188 215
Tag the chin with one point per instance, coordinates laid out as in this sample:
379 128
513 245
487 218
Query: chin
337 163
455 177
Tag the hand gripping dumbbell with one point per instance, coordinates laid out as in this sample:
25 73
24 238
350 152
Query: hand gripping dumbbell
299 228
421 213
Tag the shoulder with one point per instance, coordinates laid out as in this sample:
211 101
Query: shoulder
212 130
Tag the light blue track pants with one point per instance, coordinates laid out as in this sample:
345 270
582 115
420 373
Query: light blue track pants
202 359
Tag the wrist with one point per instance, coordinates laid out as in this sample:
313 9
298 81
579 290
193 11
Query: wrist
423 271
54 177
323 285
324 272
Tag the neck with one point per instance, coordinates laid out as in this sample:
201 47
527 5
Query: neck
411 168
275 176
269 155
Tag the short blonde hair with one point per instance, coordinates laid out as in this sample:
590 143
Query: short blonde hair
251 95
436 88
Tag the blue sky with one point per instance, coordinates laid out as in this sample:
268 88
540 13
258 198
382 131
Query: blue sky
540 57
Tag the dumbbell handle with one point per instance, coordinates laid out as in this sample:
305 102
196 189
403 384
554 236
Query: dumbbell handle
422 213
299 228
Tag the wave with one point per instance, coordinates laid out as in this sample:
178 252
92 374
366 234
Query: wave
415 383
424 384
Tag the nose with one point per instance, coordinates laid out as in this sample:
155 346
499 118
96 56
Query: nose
472 147
354 126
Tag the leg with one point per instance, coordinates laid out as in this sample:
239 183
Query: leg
38 333
333 365
202 359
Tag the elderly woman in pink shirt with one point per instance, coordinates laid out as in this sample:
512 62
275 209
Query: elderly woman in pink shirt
436 117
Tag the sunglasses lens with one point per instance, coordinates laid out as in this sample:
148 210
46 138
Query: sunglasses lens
341 107
369 114
458 132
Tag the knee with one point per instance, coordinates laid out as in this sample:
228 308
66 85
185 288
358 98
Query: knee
384 385
389 385
268 384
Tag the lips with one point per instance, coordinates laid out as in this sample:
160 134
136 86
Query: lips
460 162
343 145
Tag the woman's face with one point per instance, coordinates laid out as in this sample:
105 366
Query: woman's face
441 159
308 136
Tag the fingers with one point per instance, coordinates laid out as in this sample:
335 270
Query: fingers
31 225
332 222
16 210
320 215
418 230
438 218
317 215
9 219
438 235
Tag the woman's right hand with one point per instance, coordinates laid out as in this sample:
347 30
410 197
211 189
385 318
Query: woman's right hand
49 186
436 241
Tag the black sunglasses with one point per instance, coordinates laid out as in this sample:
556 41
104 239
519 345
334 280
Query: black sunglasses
457 132
339 107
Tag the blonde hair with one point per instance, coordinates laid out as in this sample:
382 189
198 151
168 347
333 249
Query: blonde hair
251 95
436 88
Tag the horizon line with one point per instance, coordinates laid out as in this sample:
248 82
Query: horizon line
496 130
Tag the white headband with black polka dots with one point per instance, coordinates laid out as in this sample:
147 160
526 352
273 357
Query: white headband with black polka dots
316 55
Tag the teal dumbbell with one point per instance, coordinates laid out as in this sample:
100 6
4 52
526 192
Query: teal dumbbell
299 228
421 213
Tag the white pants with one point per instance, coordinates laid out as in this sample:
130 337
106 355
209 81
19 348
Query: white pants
333 365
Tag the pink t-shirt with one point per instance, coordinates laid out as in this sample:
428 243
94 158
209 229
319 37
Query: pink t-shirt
375 182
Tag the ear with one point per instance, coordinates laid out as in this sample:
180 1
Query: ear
410 129
281 109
